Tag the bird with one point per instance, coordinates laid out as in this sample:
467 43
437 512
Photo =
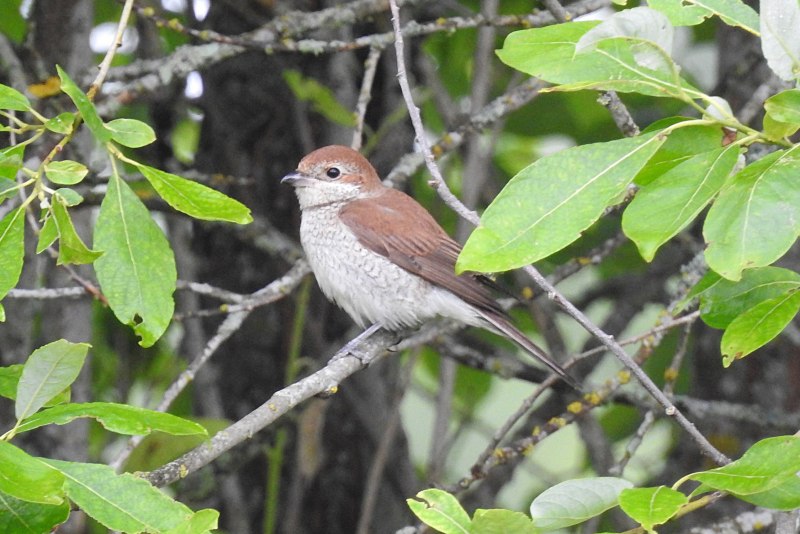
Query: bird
383 258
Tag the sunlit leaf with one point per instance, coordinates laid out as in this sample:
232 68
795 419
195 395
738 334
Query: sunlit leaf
131 133
548 204
196 199
12 249
668 204
756 217
71 248
692 12
722 300
780 40
48 371
500 521
23 517
767 464
119 418
120 502
65 172
758 326
550 53
440 510
61 123
85 106
137 270
28 478
322 98
10 98
651 506
574 501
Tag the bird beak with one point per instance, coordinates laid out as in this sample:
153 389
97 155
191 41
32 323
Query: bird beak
297 179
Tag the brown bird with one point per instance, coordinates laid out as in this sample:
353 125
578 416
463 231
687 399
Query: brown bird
382 257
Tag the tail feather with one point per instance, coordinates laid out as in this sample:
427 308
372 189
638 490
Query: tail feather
504 327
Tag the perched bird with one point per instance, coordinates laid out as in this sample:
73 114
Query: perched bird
382 257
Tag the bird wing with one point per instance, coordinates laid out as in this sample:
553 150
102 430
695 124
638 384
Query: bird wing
395 226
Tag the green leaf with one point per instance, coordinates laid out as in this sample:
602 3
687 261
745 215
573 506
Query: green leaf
184 140
668 204
159 448
85 107
65 172
131 133
61 123
195 199
758 326
548 204
9 378
7 188
550 53
201 522
776 130
12 249
499 521
11 162
681 144
28 478
12 25
785 106
49 370
10 98
768 464
780 41
692 12
119 418
137 270
440 510
9 381
574 501
651 506
783 114
756 217
71 248
22 517
68 196
721 300
48 233
784 496
650 32
322 99
120 502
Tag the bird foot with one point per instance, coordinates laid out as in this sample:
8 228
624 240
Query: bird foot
353 348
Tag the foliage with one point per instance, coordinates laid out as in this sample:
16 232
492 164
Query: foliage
135 266
35 492
134 262
753 216
765 475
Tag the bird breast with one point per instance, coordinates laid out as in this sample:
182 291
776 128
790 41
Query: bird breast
369 287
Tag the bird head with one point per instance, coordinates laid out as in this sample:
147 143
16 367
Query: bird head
333 175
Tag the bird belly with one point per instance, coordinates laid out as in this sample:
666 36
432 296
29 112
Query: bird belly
369 287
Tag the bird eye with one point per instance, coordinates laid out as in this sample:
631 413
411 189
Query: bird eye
333 172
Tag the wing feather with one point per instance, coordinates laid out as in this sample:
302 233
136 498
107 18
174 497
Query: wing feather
395 226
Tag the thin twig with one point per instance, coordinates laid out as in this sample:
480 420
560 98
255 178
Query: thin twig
438 181
612 345
112 50
365 95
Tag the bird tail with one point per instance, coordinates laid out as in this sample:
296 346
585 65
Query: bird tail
504 326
